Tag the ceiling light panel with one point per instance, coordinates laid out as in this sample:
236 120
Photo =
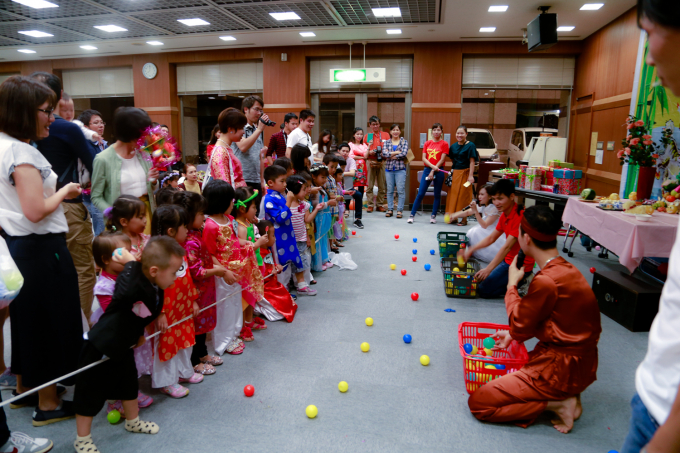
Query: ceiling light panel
487 29
219 22
285 16
128 6
37 4
110 28
386 12
227 38
393 31
360 12
154 43
565 28
26 51
307 34
498 8
193 22
35 33
88 47
592 6
312 15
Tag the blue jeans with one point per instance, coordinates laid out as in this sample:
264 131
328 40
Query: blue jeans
642 427
496 284
424 184
97 217
397 177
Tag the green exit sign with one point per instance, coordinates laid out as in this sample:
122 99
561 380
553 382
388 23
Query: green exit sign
348 75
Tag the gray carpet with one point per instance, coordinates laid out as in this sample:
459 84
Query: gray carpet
393 404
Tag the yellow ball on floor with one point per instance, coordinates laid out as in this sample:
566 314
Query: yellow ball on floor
365 346
369 321
447 218
393 266
343 386
424 360
311 411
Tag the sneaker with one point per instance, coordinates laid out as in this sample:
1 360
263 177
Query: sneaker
175 391
358 224
63 412
31 400
433 219
143 400
410 219
118 406
8 380
293 296
23 443
195 379
306 291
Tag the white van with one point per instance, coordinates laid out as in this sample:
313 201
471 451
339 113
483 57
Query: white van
483 140
520 140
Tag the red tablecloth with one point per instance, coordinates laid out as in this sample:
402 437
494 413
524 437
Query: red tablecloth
624 235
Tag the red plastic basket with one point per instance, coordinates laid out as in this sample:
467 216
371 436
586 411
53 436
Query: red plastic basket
475 371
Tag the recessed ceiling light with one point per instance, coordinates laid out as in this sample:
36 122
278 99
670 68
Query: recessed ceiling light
498 8
88 47
386 12
110 28
211 97
285 16
393 31
592 6
26 51
307 34
227 38
154 43
565 28
193 22
487 29
35 33
37 4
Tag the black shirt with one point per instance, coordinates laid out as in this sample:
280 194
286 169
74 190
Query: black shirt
119 328
461 155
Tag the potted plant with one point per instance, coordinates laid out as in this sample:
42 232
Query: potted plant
638 150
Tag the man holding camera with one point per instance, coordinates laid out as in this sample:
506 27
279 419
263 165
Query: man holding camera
251 150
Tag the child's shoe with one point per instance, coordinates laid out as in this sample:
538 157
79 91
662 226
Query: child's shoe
23 443
85 445
143 400
306 291
246 333
8 380
235 347
118 406
138 426
173 391
195 379
258 324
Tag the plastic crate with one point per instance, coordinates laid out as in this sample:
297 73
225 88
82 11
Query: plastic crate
449 243
460 284
474 367
449 264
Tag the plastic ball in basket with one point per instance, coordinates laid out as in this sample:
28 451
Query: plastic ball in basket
158 147
460 283
478 370
450 243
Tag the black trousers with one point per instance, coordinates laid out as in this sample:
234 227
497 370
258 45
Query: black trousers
358 202
200 350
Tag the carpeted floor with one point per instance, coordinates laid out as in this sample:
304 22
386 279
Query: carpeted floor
394 404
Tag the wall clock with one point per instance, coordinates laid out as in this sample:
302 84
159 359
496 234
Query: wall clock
149 70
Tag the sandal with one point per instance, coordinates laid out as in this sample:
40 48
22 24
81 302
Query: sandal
205 369
258 324
339 245
175 391
313 282
389 213
335 250
212 360
195 379
246 333
236 347
399 214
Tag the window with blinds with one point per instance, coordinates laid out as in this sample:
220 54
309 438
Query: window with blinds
398 72
518 72
219 78
98 83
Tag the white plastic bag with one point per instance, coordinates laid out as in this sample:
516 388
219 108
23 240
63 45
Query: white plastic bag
11 279
343 261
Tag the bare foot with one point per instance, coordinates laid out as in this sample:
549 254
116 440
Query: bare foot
579 408
565 411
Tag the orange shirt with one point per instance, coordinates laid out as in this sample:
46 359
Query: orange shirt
383 136
510 226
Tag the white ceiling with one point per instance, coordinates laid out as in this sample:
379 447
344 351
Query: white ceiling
72 24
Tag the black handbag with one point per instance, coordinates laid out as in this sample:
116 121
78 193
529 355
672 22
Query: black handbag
449 179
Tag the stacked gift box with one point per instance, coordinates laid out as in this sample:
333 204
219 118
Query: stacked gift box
522 175
511 173
569 181
534 178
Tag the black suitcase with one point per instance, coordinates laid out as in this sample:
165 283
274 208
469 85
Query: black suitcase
627 300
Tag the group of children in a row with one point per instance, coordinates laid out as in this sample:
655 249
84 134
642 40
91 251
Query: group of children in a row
225 273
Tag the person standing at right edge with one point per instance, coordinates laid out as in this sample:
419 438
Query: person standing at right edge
656 405
463 155
249 150
63 148
376 170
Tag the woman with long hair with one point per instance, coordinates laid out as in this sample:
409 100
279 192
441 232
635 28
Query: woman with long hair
323 146
463 155
214 136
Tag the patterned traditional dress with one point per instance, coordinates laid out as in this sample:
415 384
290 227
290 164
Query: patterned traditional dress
200 261
279 214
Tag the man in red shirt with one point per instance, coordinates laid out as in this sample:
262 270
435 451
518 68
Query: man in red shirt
376 170
493 279
277 142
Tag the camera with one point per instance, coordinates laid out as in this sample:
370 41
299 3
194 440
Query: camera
267 123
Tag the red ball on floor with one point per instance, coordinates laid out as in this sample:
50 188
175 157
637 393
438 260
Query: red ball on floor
414 296
354 233
396 236
249 390
403 272
592 270
415 258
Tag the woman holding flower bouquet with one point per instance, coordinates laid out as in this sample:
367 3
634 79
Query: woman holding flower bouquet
121 169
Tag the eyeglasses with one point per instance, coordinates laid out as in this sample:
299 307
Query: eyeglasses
98 123
257 109
48 112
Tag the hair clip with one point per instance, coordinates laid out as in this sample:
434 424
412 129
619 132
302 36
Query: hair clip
242 204
107 212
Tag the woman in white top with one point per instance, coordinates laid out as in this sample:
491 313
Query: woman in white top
46 316
122 170
323 146
487 218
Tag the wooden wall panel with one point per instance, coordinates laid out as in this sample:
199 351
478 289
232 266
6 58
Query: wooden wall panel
610 126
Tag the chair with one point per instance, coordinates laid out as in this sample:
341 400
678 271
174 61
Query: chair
430 193
348 184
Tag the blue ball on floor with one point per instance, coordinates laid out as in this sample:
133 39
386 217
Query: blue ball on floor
415 251
431 252
415 239
428 267
407 338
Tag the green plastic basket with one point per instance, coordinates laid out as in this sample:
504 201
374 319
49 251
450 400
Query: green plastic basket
449 243
460 284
